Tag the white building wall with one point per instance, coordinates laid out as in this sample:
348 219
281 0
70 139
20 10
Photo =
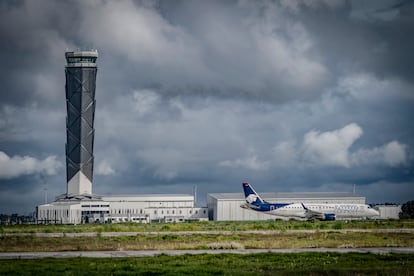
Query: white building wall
186 213
59 213
231 210
389 211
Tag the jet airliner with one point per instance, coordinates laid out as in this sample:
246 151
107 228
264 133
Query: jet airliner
311 211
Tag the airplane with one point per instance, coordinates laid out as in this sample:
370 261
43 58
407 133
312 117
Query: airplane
310 211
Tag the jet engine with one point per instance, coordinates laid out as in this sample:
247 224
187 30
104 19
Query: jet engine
329 217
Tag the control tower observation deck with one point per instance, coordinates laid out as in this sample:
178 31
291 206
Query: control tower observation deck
80 87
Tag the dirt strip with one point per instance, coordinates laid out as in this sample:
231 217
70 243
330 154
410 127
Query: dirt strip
152 253
186 233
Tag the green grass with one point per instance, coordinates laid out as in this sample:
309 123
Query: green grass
221 264
210 226
330 239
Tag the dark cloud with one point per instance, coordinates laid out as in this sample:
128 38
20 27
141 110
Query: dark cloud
290 95
363 36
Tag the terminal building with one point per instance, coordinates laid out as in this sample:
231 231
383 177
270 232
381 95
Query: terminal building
122 208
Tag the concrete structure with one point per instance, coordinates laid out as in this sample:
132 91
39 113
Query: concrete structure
226 206
128 208
155 207
72 211
80 86
388 211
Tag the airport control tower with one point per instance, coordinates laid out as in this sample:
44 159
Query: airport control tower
80 86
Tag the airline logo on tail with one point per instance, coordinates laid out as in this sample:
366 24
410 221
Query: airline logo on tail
251 196
255 202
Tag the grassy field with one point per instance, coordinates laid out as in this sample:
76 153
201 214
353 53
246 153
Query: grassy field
329 239
223 264
211 225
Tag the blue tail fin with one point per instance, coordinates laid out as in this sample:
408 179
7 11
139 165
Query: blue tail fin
251 196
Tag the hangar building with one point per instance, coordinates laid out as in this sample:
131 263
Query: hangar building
226 206
389 211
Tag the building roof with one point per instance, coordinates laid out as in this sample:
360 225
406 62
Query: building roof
148 197
307 195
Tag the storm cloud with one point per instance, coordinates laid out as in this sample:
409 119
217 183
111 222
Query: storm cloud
290 95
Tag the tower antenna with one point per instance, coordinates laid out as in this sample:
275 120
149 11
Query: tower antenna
195 194
45 189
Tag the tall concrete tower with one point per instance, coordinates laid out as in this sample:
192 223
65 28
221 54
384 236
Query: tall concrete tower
80 86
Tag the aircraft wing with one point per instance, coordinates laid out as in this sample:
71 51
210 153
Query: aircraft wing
311 214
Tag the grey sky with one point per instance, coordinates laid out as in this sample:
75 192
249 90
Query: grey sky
289 95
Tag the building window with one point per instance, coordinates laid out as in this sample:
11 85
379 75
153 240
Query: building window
81 60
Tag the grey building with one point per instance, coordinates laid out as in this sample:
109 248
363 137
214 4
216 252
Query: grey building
226 206
80 86
389 211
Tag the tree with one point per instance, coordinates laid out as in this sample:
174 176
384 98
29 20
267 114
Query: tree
407 210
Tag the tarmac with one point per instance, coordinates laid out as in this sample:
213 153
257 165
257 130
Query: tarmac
152 253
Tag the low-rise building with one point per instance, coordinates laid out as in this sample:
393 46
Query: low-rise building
127 208
388 211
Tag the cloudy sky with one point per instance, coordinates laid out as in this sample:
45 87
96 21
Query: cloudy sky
290 95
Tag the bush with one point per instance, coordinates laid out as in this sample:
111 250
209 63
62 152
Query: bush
407 210
338 226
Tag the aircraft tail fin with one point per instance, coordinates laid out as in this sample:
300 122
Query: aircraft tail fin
250 195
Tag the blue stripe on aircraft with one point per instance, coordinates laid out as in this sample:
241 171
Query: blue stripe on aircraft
270 206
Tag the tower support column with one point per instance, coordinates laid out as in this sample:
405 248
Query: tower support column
80 87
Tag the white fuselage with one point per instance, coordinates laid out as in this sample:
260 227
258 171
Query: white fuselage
340 210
